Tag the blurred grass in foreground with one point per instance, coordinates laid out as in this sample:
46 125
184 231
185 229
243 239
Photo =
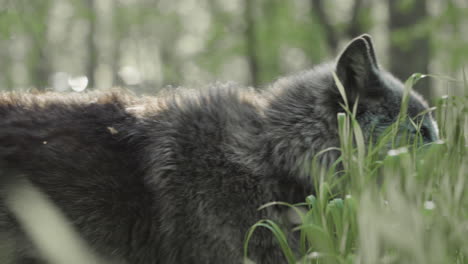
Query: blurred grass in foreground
47 227
407 205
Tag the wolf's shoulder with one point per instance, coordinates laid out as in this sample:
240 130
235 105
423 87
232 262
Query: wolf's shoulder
199 126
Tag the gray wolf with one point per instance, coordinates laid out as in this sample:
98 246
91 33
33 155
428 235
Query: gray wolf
179 178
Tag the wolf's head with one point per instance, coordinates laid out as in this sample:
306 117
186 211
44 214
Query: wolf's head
303 110
378 94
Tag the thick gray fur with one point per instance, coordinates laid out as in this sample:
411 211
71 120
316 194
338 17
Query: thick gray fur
182 182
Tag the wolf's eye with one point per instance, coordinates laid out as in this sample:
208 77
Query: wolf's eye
424 131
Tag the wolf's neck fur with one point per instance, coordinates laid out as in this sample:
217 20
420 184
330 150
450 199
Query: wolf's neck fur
298 121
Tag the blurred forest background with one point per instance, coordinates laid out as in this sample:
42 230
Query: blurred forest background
146 45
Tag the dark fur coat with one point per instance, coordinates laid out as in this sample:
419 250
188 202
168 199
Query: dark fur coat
179 178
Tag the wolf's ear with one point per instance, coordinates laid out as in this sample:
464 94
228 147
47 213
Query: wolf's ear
370 45
357 65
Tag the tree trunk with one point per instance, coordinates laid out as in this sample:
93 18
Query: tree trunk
408 59
118 36
251 41
329 31
352 29
41 69
91 63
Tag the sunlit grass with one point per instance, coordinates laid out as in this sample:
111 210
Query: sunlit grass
408 204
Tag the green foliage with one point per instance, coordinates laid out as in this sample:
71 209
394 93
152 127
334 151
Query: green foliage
278 27
54 36
407 205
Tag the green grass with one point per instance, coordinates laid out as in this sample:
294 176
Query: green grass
407 205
